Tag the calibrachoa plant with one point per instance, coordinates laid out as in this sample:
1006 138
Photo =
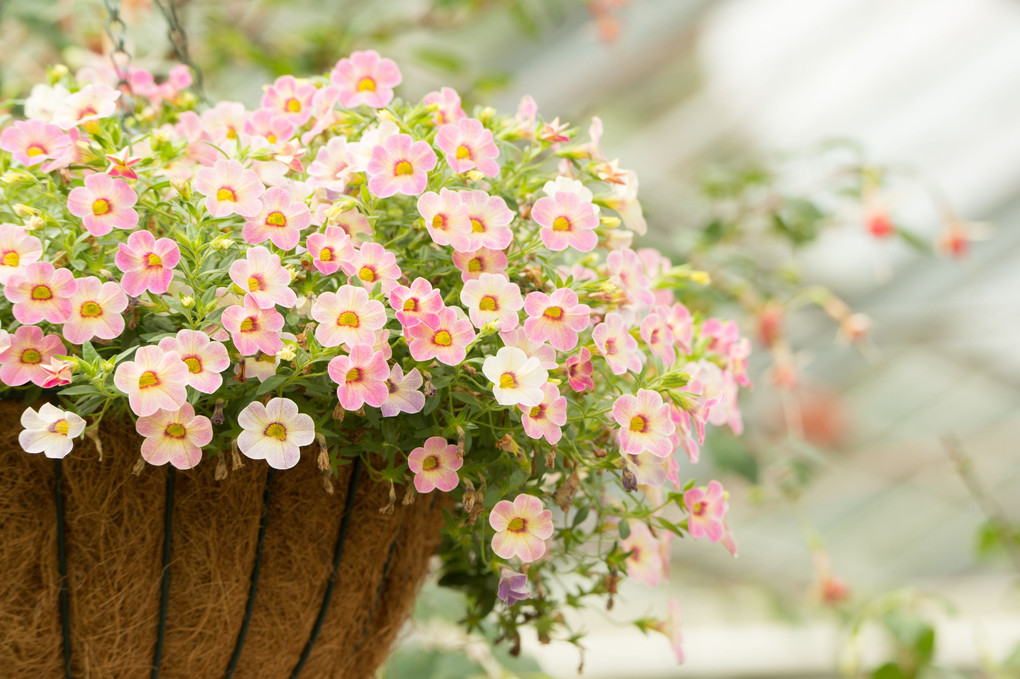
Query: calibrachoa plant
455 297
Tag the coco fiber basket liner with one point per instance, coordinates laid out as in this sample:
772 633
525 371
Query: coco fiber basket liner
335 577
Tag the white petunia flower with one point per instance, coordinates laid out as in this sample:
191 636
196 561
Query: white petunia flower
274 432
49 431
516 378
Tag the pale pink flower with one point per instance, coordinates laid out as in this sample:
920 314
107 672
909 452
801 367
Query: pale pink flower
652 470
330 249
435 465
229 189
403 396
154 380
616 345
331 168
274 127
492 298
447 103
323 112
261 275
174 436
40 292
147 263
260 366
707 507
347 316
104 203
371 264
17 249
580 371
681 325
49 431
566 221
671 628
468 145
359 153
656 334
291 97
365 78
556 318
400 165
444 337
623 199
31 142
224 121
517 379
547 418
476 262
645 423
522 527
280 220
44 100
554 132
445 218
648 560
361 377
541 350
96 311
490 221
205 358
91 102
274 432
121 163
628 272
414 303
253 328
58 373
28 354
5 340
354 224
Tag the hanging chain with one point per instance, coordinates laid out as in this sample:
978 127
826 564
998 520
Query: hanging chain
179 40
120 57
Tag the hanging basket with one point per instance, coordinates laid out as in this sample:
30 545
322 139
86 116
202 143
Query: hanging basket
174 574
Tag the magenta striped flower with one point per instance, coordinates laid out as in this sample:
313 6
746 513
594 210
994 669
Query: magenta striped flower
104 203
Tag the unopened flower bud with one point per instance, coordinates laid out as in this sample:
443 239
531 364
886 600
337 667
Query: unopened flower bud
34 222
187 301
386 115
24 211
182 187
288 353
610 221
475 175
486 114
222 244
56 73
629 480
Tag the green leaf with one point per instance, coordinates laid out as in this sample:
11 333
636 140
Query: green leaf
88 352
270 384
624 527
889 671
79 390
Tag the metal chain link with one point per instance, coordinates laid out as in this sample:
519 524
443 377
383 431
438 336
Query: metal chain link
179 39
116 30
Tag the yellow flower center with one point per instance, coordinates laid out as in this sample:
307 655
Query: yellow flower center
254 284
100 207
34 150
61 427
463 152
429 463
153 259
638 423
231 134
249 325
175 431
226 194
411 304
349 319
403 168
535 412
194 364
474 265
271 138
276 219
91 310
42 292
148 379
553 312
561 224
11 258
326 255
277 431
366 84
507 381
698 509
488 303
367 274
293 105
31 356
439 222
517 525
353 375
477 226
442 338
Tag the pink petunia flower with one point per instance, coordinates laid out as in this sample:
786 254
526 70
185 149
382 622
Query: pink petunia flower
446 218
31 142
174 436
492 298
447 103
28 354
372 264
121 164
49 431
616 345
96 311
468 145
229 189
331 168
681 325
330 249
628 272
435 465
400 165
444 337
274 127
261 275
205 358
645 423
92 102
412 304
17 250
274 432
104 203
291 97
707 507
147 263
347 316
403 396
580 371
40 292
656 334
280 220
355 225
547 418
648 560
521 526
556 318
541 350
58 373
517 379
566 221
483 260
253 328
361 377
154 380
365 78
490 221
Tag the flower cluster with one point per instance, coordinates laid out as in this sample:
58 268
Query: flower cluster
455 297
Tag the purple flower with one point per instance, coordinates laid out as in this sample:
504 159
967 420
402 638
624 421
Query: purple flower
513 587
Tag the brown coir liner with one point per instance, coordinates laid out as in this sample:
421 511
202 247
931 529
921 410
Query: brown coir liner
114 536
